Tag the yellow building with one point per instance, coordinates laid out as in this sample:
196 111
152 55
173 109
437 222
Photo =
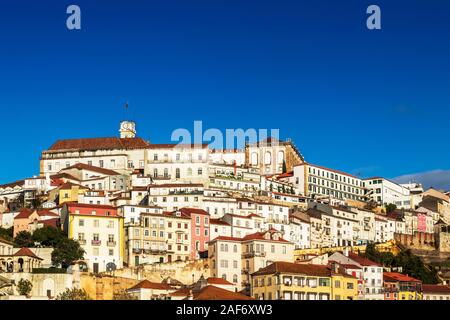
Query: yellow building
398 286
292 281
69 192
100 231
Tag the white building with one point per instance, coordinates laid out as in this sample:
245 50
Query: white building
320 182
384 192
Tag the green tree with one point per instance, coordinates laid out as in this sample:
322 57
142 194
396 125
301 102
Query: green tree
24 287
410 263
6 234
66 251
48 236
73 294
23 239
390 208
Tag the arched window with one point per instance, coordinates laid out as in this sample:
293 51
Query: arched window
280 157
177 173
235 278
189 171
235 248
155 173
268 158
254 159
197 245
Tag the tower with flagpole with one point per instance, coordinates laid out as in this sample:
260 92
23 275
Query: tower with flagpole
127 127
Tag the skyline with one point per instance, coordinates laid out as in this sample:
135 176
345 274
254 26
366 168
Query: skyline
360 101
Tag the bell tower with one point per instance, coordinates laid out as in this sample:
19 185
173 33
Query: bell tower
127 129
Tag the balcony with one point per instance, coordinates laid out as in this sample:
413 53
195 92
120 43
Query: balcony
96 242
253 254
155 251
111 243
137 250
161 177
82 241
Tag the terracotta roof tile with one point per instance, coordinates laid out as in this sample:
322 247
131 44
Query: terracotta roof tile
296 268
436 288
222 281
215 293
99 144
25 252
152 285
398 277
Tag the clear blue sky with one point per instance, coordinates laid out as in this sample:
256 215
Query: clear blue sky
367 102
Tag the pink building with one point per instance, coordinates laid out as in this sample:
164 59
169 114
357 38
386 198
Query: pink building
199 230
421 222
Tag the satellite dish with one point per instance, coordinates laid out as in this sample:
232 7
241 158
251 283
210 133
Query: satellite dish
110 266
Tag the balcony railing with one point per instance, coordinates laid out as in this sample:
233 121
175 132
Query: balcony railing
155 251
253 254
111 243
96 242
137 250
82 241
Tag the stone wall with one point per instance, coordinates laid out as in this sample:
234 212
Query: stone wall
183 271
55 282
418 241
103 287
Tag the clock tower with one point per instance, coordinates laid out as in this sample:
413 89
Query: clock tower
127 129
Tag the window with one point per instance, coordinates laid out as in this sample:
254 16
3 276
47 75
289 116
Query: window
96 223
111 252
81 223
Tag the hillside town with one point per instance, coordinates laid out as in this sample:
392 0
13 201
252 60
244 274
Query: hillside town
122 218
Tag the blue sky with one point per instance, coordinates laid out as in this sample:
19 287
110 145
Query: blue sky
366 102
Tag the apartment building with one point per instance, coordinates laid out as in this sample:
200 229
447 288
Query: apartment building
291 281
384 192
321 183
173 196
372 273
100 231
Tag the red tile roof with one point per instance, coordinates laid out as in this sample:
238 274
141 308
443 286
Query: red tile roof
296 268
13 184
222 281
69 185
398 277
47 213
189 211
152 285
260 236
215 293
436 288
224 238
25 252
99 144
218 221
24 214
361 260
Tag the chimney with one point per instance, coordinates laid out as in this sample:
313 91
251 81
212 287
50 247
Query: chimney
345 251
335 267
